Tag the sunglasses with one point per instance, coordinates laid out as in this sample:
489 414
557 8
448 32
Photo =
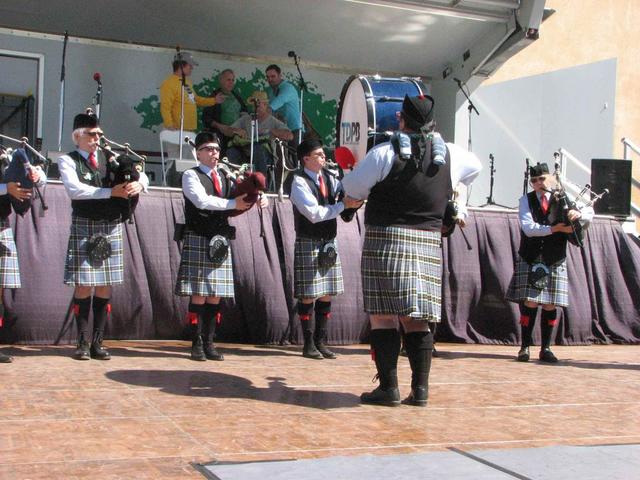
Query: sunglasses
209 149
538 179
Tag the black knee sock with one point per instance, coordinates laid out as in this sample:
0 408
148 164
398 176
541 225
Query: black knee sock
527 321
323 314
81 311
210 317
194 317
101 310
547 322
419 347
385 348
304 313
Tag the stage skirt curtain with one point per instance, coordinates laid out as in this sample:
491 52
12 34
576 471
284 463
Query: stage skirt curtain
604 280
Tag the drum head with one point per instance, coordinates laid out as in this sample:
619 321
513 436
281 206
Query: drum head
367 112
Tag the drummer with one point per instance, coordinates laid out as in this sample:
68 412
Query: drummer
268 127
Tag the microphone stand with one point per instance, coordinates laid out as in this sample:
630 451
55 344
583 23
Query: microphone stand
471 107
303 87
62 73
492 172
254 131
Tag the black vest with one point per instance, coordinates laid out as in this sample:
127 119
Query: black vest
326 230
208 222
96 209
411 197
550 249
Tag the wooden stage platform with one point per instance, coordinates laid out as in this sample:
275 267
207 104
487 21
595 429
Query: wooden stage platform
151 413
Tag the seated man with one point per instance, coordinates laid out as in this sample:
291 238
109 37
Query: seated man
221 115
268 127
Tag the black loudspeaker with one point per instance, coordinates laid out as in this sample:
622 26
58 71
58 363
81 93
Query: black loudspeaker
615 175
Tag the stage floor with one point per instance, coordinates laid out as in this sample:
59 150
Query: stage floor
152 413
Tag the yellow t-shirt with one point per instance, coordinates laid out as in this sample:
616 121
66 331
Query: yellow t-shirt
170 103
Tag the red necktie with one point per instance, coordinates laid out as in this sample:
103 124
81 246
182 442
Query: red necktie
216 183
93 161
544 204
323 187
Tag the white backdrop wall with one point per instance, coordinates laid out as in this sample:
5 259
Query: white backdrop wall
532 117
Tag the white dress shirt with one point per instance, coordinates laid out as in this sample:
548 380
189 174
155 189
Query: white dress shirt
533 229
306 202
82 191
376 165
195 192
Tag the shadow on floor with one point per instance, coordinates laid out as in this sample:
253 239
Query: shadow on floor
195 383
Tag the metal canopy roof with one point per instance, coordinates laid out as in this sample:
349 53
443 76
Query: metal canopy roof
418 38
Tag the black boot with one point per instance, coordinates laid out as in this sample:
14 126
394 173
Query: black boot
82 350
385 345
527 321
81 312
309 350
323 313
547 322
419 350
101 310
195 321
210 315
98 352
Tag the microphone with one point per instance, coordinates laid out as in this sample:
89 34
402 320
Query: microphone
292 54
98 78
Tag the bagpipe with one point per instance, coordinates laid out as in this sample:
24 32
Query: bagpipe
18 169
576 237
122 168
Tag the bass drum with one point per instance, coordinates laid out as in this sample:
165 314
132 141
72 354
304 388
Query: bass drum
367 111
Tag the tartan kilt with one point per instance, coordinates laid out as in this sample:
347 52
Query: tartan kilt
78 271
309 281
9 269
200 276
556 293
402 272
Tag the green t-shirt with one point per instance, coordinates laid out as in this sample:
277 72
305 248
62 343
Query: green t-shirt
229 110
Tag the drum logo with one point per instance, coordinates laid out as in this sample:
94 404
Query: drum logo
350 132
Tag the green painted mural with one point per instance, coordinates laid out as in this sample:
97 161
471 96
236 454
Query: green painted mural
321 113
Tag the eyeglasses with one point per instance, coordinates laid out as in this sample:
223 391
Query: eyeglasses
538 179
92 134
209 149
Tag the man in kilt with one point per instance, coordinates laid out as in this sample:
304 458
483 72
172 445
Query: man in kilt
206 273
9 270
95 253
407 191
543 247
316 197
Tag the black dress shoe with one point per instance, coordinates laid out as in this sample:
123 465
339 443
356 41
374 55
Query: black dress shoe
197 350
546 355
97 350
523 354
324 351
435 353
387 398
5 358
417 397
82 351
212 353
310 351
